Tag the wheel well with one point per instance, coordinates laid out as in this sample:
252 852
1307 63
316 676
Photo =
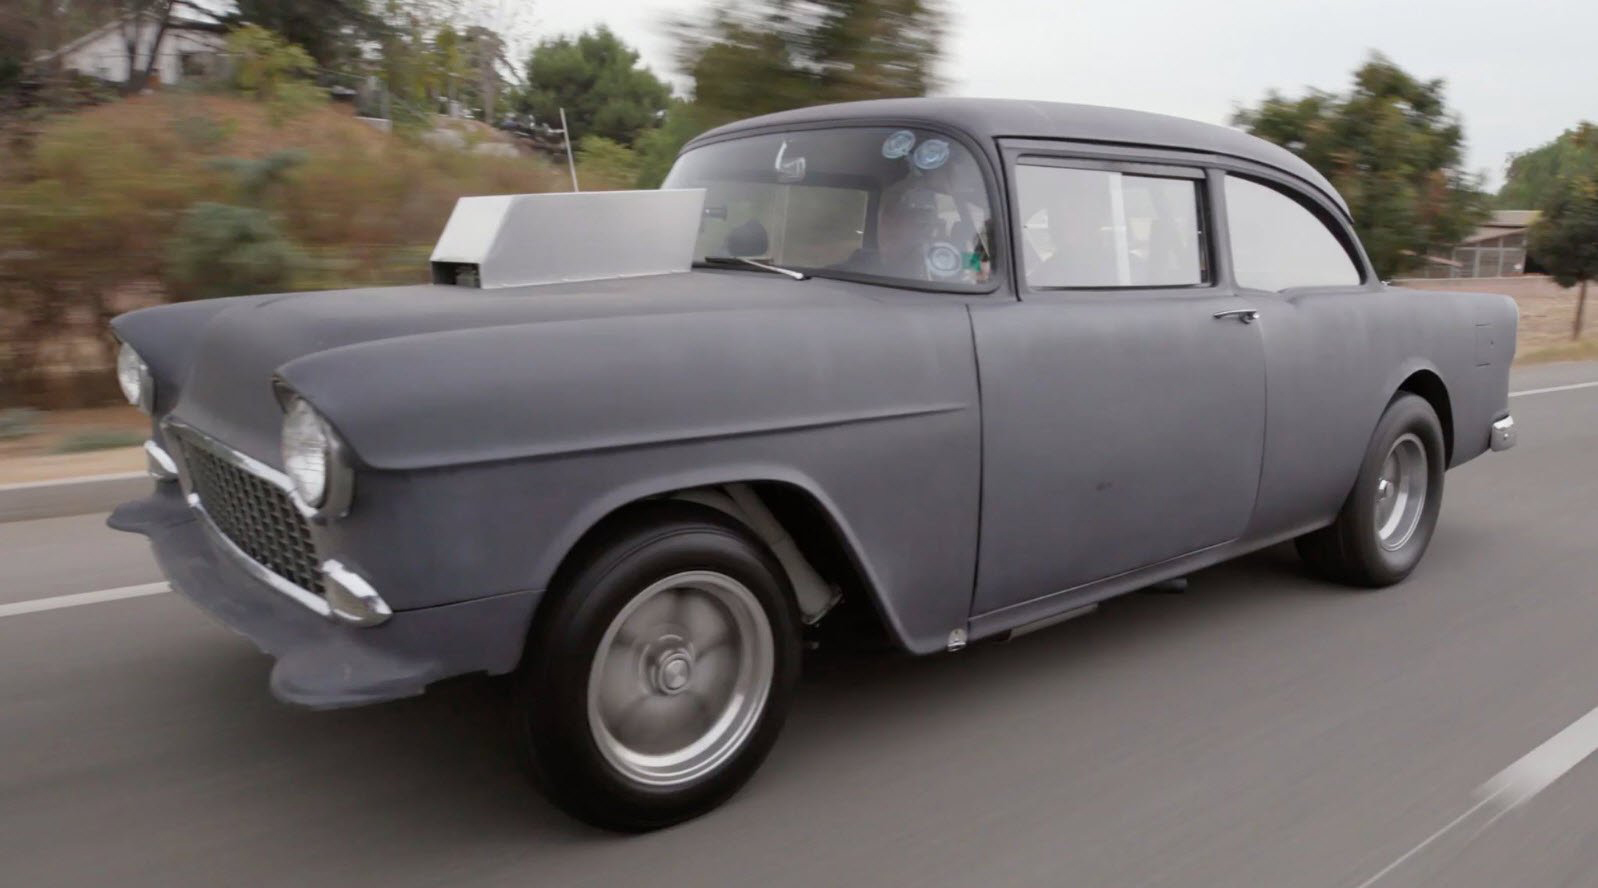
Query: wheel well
812 530
1430 386
857 616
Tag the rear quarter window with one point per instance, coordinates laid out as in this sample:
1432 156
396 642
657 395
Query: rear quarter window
1278 243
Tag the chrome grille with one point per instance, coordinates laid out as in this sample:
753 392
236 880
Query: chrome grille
256 515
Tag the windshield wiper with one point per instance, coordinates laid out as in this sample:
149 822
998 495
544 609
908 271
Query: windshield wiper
752 263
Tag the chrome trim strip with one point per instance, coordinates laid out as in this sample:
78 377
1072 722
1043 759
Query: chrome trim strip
158 463
1503 434
364 606
1046 622
255 568
244 461
351 599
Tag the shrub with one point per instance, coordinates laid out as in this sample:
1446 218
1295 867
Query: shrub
274 71
605 165
223 250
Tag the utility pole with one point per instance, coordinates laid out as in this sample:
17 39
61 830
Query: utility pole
566 133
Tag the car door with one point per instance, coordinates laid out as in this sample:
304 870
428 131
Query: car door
1123 393
1329 348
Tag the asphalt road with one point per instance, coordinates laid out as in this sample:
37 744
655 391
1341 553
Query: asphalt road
1262 729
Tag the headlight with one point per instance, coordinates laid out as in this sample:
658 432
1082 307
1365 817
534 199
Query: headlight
134 377
307 452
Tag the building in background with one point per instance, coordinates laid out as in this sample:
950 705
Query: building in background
1496 249
188 51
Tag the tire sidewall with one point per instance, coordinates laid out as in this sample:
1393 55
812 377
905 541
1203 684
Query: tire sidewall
1407 414
552 705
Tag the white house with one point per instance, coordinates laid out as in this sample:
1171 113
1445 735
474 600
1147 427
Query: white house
188 50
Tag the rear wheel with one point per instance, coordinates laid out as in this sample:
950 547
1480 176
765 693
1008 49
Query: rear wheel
1387 521
659 672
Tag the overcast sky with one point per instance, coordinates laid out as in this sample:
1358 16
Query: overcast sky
1519 73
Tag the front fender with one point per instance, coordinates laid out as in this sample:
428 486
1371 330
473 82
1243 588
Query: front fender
166 337
486 454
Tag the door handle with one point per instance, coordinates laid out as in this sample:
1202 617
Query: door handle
1244 315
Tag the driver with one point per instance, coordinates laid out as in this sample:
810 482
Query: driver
907 225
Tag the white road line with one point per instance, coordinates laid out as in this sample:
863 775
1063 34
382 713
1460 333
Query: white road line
1536 770
1517 784
60 601
1429 839
1554 388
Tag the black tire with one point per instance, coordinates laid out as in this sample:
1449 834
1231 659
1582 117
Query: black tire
551 706
1352 550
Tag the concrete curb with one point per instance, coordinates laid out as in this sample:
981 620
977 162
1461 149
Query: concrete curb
70 496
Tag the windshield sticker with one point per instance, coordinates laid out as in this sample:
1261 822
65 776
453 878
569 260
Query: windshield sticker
789 170
898 144
943 260
931 154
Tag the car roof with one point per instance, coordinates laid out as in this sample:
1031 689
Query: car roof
1016 118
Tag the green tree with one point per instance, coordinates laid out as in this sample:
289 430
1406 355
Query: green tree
1394 150
273 71
756 58
449 60
596 78
657 148
604 165
468 64
1565 238
331 31
1535 176
774 55
414 74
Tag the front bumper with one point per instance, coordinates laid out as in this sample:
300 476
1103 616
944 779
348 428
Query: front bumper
322 663
1503 434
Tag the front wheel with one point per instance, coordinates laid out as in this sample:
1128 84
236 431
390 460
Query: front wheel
659 672
1387 521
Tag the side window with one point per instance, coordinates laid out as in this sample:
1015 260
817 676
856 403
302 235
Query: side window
1278 243
1093 228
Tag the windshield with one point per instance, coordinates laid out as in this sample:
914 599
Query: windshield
889 203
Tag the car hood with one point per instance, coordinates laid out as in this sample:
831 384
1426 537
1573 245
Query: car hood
225 381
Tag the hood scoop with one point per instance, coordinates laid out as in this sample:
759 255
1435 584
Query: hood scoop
515 240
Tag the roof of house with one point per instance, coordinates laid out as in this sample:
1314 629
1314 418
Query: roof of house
997 118
1503 222
172 26
1512 218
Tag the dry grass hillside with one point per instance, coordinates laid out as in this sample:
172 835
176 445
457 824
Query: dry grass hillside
356 187
91 203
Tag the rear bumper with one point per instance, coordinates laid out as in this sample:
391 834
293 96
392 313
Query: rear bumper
322 663
1503 434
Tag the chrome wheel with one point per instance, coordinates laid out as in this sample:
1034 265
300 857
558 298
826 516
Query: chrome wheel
1401 492
680 678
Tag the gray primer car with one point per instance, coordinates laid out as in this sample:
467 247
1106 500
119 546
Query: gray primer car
1123 347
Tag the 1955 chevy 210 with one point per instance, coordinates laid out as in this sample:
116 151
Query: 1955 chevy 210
947 368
